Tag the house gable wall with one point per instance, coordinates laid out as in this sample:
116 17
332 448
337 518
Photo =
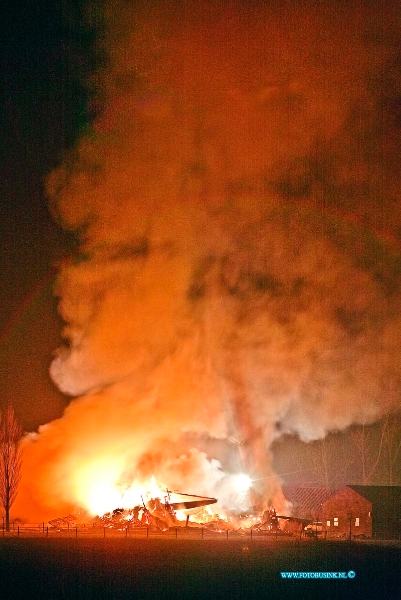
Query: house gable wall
350 509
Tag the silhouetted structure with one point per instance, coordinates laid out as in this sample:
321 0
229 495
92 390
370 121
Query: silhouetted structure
351 511
371 510
10 460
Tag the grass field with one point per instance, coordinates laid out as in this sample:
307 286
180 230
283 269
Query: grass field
93 568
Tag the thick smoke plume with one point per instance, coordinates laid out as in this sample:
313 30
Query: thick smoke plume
237 205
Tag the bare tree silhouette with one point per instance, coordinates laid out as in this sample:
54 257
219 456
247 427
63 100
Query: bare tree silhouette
391 428
378 449
10 459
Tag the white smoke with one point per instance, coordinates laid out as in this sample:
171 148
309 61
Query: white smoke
238 271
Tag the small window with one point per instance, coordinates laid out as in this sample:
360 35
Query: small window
328 523
335 522
356 521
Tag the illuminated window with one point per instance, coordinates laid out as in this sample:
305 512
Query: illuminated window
328 523
335 522
356 521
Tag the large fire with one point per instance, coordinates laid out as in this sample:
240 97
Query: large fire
158 508
113 504
99 491
229 280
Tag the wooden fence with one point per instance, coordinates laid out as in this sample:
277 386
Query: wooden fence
91 530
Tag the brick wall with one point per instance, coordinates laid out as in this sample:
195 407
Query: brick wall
349 508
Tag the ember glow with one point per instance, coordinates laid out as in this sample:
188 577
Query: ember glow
101 494
238 266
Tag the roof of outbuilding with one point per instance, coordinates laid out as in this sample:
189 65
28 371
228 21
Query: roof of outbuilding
306 500
380 495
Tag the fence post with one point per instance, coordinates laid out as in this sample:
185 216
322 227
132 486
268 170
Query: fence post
202 533
47 531
18 530
43 526
76 532
104 532
176 532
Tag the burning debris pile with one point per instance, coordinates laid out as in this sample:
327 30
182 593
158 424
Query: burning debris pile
174 509
157 513
194 512
70 521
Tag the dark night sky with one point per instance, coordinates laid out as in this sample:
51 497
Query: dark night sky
41 108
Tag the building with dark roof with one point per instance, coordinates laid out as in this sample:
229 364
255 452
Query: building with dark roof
351 511
384 516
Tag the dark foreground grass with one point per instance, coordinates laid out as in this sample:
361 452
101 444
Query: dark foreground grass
132 568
